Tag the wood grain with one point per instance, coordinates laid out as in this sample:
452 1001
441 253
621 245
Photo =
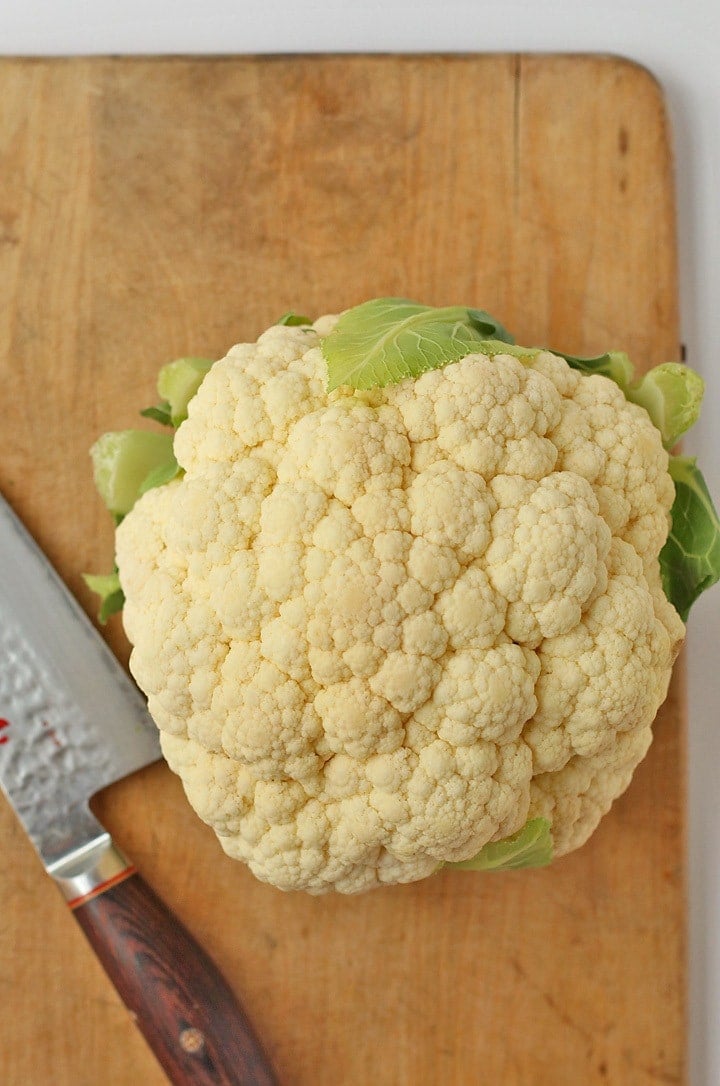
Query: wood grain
183 1006
152 208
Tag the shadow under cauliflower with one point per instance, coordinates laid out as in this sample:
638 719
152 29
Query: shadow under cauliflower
381 629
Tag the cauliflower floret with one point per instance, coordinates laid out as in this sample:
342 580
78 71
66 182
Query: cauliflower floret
381 629
548 554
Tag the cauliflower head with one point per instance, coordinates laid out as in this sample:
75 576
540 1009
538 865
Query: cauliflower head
380 629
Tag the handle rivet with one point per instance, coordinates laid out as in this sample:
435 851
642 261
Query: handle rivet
192 1040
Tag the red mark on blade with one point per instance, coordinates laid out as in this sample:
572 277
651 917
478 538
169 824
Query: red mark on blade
4 724
52 734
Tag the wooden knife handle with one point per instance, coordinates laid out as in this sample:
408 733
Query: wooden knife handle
182 1004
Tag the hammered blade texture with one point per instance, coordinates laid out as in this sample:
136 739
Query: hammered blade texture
71 721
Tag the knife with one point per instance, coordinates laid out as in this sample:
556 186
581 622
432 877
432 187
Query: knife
71 723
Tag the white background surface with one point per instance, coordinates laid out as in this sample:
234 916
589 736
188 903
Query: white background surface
680 43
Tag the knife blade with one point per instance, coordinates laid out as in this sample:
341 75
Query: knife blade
71 723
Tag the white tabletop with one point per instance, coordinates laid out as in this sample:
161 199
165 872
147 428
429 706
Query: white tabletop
680 43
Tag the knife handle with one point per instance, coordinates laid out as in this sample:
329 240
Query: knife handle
181 1002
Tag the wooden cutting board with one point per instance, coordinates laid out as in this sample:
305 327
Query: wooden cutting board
152 208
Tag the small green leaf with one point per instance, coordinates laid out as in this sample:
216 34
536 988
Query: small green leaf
122 460
160 413
488 327
690 559
387 340
178 382
614 364
672 395
532 846
104 584
107 587
293 319
111 605
160 475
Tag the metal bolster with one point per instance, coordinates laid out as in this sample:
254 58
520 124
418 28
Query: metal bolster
86 869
